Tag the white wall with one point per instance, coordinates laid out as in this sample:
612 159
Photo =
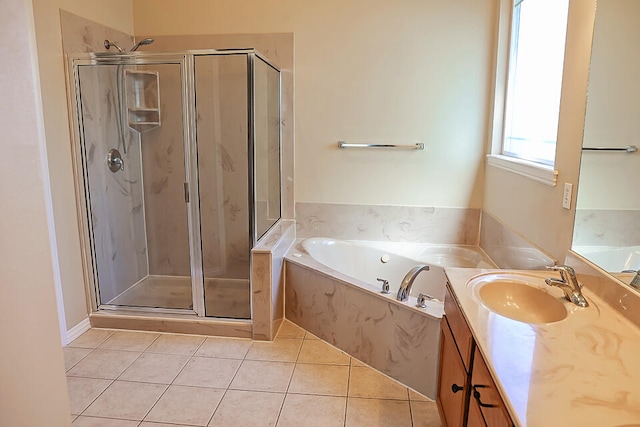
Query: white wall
366 71
533 209
610 180
116 14
32 380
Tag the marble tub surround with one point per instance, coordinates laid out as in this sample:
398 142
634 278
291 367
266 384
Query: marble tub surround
391 223
267 279
606 227
565 373
508 249
395 339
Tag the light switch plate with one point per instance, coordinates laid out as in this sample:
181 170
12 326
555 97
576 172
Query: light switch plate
566 197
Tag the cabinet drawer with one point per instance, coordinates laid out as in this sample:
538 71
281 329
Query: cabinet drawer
486 396
459 329
453 382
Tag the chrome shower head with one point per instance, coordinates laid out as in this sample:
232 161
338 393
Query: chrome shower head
143 42
108 45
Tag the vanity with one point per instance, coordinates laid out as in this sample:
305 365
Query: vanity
557 365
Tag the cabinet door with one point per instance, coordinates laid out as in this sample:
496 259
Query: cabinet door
475 418
453 387
486 396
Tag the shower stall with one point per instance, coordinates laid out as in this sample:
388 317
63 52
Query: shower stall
178 160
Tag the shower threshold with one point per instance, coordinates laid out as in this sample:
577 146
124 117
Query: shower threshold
228 298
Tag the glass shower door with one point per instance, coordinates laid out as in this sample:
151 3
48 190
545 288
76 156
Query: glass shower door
131 124
223 167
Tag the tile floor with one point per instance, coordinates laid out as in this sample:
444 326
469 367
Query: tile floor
126 378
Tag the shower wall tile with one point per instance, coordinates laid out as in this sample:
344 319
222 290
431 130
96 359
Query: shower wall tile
278 48
79 35
606 227
267 279
390 223
510 250
397 341
163 166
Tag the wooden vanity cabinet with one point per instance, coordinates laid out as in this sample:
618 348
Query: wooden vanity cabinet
466 394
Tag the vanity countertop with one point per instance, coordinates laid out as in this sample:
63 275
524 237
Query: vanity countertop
583 371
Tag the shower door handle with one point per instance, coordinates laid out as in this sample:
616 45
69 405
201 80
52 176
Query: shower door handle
114 161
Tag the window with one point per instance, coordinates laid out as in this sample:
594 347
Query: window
538 32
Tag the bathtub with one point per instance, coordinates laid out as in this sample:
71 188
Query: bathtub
331 289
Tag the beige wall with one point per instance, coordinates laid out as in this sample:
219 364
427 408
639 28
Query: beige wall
32 379
610 180
370 71
116 14
531 208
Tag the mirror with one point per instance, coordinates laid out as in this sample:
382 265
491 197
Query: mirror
607 223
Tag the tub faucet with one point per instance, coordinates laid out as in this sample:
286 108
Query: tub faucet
407 282
568 283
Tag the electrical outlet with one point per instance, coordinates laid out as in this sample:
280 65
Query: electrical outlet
566 197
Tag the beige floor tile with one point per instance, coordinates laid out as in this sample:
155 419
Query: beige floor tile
367 382
129 341
73 355
356 362
176 344
377 413
232 411
312 411
92 338
208 372
290 330
309 336
186 405
280 350
155 368
102 422
83 391
415 396
126 400
328 380
227 348
425 414
317 351
151 424
107 364
256 375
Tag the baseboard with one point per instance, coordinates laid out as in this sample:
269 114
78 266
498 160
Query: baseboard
77 330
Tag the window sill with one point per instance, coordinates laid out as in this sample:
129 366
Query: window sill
535 171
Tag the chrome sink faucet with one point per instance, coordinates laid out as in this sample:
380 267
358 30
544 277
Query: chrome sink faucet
635 282
407 282
568 283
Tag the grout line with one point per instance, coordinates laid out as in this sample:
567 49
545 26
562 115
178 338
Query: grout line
346 400
96 398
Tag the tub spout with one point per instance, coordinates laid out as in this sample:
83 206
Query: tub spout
407 282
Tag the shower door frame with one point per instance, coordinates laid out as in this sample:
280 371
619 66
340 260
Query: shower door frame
186 63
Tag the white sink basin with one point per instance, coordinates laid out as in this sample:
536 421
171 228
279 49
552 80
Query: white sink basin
518 296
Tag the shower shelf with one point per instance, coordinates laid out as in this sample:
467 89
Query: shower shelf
143 100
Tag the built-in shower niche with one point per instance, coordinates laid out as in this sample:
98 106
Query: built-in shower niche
142 99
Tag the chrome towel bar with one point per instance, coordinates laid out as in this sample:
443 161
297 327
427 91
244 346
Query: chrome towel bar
417 146
628 149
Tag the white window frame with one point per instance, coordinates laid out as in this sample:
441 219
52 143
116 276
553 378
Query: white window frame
545 174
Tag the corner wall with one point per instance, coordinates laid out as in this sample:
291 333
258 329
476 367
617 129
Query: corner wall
32 379
46 13
370 72
533 209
